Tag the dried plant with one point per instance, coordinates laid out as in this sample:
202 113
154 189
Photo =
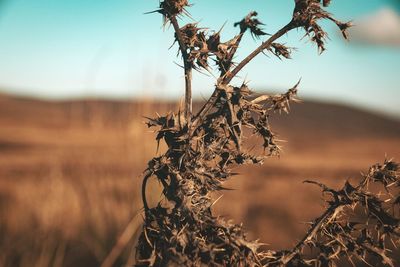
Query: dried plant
203 148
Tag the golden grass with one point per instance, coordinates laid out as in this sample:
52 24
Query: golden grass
69 182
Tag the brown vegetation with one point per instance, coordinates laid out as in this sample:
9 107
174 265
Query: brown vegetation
67 189
69 174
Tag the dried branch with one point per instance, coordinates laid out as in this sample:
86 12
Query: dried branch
328 215
266 45
327 229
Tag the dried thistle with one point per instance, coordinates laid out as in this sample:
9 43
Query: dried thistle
172 8
250 22
202 149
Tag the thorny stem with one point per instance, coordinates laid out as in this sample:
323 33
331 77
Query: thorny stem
329 214
377 252
232 54
188 71
147 174
231 74
265 45
203 111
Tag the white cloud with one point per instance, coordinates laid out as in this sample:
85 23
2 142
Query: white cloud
380 28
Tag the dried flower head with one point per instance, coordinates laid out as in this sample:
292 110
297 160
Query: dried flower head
250 22
307 13
172 8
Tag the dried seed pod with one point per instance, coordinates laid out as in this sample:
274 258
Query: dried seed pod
171 8
307 13
250 22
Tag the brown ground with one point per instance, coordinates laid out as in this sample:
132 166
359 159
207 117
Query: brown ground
69 174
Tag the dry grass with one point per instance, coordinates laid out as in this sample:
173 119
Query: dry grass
68 186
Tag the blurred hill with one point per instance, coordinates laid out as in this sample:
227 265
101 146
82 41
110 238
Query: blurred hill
306 117
69 173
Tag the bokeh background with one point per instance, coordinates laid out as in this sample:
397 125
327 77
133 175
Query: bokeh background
77 77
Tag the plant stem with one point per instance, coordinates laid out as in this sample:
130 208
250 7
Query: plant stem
232 54
265 45
188 71
231 74
328 215
146 176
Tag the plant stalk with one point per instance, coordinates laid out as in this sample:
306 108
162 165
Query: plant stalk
188 71
265 45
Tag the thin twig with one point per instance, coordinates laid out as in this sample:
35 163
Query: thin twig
328 215
122 242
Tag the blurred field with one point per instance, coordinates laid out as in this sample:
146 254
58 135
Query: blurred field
69 174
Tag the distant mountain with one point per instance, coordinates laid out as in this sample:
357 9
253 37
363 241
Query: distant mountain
335 120
309 118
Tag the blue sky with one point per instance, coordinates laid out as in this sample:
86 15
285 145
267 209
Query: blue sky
109 48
